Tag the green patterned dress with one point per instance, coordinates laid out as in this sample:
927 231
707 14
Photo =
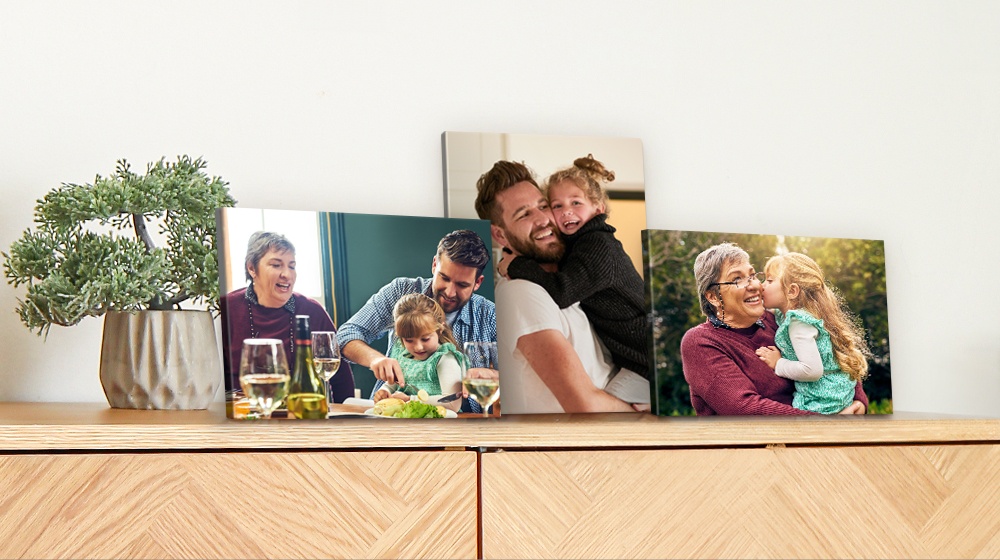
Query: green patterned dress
422 374
832 392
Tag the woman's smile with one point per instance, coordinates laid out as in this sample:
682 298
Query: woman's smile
754 301
741 303
274 279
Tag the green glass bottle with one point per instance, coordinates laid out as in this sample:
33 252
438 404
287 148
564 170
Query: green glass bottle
306 392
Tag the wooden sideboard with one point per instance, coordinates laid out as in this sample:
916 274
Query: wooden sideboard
86 481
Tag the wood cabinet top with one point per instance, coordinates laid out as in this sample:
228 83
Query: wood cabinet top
94 426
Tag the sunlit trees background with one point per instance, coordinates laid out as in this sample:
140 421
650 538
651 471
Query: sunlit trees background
854 267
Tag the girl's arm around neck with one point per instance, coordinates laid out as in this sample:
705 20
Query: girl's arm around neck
588 268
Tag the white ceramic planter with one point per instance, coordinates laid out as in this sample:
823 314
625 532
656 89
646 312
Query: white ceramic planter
164 360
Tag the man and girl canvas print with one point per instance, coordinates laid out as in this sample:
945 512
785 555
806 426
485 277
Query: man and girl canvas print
571 317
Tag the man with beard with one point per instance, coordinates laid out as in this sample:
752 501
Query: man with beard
457 272
550 357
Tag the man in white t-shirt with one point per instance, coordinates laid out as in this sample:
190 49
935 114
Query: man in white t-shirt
550 358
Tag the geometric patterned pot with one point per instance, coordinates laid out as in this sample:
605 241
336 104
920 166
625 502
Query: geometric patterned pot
163 360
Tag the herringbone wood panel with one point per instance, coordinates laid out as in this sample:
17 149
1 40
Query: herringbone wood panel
835 502
239 505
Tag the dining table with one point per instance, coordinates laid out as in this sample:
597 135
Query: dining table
357 407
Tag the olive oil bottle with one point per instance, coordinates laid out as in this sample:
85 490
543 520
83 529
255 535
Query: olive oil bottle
306 392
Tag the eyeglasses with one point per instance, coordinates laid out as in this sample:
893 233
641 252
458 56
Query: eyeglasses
741 283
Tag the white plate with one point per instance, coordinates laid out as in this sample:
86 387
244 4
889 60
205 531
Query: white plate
447 414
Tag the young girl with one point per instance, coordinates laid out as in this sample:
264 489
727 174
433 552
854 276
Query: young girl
595 271
425 349
821 348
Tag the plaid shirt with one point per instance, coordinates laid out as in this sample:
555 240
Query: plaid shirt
475 321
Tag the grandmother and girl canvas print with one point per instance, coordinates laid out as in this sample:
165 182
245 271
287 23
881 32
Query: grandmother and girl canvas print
764 324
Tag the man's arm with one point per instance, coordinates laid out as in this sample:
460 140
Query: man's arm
384 368
371 322
557 364
360 353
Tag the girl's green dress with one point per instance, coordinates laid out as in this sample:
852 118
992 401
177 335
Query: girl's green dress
422 374
832 392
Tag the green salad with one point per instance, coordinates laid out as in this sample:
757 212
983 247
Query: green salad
417 409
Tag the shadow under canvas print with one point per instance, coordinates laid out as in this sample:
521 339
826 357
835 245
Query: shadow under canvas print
747 324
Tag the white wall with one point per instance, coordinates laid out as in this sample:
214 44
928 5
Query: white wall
835 119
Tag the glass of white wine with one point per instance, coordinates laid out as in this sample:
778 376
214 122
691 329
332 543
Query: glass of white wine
264 374
326 357
480 378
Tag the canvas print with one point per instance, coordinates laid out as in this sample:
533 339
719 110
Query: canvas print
395 312
566 215
746 324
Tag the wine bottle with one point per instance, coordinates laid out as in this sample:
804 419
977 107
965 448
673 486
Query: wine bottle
306 392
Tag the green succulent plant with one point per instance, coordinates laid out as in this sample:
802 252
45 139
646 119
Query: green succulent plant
79 262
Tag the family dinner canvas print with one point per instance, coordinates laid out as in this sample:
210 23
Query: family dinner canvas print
331 314
565 215
747 324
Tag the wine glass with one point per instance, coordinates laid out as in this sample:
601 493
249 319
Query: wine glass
264 374
483 385
326 356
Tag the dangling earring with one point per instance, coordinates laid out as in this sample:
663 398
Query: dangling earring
722 306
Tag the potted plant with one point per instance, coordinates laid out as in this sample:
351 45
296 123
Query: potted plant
93 252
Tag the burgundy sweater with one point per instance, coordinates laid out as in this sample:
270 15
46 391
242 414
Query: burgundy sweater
274 323
726 376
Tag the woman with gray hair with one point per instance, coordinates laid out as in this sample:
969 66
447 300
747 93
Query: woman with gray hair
268 306
725 375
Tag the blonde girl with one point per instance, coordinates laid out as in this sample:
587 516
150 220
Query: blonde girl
426 350
822 348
